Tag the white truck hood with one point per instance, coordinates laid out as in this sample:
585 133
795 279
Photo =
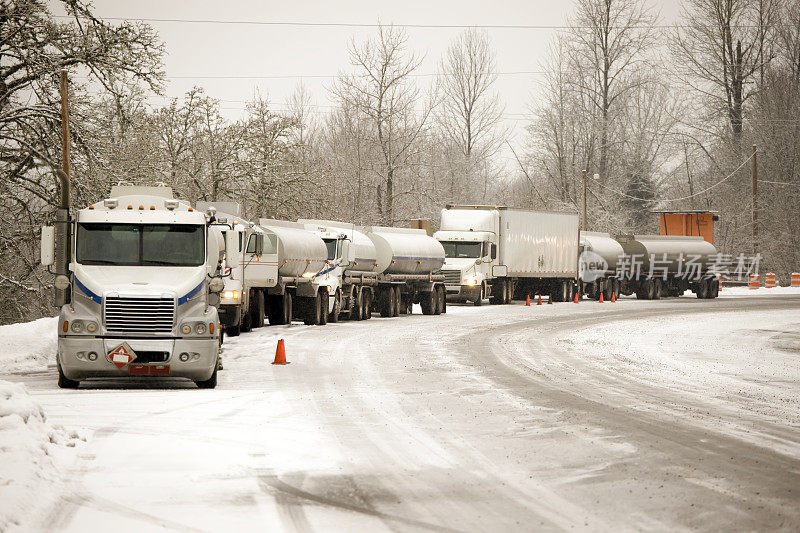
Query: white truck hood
96 281
458 263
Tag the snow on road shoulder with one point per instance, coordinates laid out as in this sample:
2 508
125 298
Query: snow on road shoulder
27 346
31 450
744 362
761 291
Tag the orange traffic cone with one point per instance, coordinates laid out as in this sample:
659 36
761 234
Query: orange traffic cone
601 298
280 354
576 297
539 301
528 301
613 297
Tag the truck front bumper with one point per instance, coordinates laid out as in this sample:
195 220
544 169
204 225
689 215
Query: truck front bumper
462 293
73 357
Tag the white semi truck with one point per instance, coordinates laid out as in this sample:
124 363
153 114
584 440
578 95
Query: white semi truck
496 252
392 268
137 280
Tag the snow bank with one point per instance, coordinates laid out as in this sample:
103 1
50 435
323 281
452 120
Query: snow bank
28 346
762 291
30 448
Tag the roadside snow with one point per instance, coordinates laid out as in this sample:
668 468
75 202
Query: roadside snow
762 291
30 450
745 363
28 346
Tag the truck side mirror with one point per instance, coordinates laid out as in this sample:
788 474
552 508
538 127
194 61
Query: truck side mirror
48 245
494 251
232 248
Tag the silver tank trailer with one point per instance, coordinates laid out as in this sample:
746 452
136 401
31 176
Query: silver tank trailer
366 257
405 251
604 245
668 251
299 251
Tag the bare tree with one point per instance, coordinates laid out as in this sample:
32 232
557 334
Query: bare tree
609 44
724 48
382 89
469 112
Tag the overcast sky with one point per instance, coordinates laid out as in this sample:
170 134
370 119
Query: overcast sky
199 51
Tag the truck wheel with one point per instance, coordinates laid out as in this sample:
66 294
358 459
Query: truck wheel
657 288
386 302
607 290
357 307
247 323
646 290
312 309
210 383
437 291
64 382
323 307
498 291
714 292
257 311
478 300
337 307
428 302
702 289
403 307
443 291
233 331
367 302
398 301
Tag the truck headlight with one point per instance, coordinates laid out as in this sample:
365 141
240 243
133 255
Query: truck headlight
200 328
186 329
91 327
231 295
472 282
77 326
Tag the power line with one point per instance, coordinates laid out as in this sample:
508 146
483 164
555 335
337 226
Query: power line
399 25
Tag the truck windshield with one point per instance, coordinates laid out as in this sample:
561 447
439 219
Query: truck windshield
463 249
331 244
140 244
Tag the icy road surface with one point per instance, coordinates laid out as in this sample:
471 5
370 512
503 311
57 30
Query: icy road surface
681 413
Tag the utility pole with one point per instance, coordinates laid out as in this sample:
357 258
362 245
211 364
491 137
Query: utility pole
584 225
755 201
65 125
62 294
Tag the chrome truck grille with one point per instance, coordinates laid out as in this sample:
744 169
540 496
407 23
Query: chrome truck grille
139 315
452 277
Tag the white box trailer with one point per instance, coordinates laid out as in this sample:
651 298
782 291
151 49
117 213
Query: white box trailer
496 251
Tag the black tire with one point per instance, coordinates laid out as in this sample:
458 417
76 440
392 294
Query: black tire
210 383
367 303
257 310
608 290
479 300
337 307
403 307
323 307
386 302
312 308
64 382
233 331
357 308
714 288
498 292
444 300
703 289
274 304
398 301
247 323
437 302
657 289
428 302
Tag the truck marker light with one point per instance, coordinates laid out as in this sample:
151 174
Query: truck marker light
65 326
211 327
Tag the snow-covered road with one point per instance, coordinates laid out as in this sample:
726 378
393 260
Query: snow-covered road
635 415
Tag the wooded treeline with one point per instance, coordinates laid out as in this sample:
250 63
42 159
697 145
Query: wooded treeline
665 115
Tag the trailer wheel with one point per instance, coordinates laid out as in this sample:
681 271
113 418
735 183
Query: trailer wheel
311 310
367 302
703 289
247 322
233 331
428 302
437 290
337 307
403 304
64 382
444 300
386 302
398 300
657 288
608 290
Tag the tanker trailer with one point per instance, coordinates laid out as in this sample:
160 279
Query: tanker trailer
597 264
408 270
301 254
350 275
662 265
